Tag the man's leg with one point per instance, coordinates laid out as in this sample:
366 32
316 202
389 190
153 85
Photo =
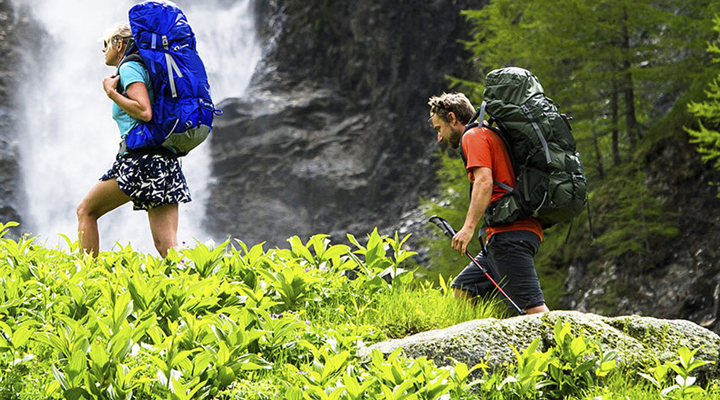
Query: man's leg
537 310
512 253
104 197
472 282
163 225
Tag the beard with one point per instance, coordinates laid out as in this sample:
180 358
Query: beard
454 140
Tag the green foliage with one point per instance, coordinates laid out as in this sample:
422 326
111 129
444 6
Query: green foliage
633 219
130 326
407 311
527 379
706 138
612 60
577 367
685 387
391 378
579 363
573 366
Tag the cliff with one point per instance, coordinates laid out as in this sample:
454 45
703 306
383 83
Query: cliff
332 135
17 34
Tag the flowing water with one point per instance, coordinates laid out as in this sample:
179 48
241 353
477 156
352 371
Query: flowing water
68 138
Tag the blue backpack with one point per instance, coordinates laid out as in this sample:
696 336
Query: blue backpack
183 110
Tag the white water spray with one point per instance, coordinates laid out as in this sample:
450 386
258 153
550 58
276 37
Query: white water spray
69 138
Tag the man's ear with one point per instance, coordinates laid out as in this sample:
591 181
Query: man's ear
451 118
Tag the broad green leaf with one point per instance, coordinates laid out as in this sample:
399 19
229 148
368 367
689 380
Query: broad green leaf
76 365
226 376
123 309
98 355
77 394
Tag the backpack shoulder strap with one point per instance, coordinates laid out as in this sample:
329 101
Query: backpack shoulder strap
474 123
129 56
470 125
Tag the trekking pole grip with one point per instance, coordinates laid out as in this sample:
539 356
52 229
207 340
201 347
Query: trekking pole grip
444 225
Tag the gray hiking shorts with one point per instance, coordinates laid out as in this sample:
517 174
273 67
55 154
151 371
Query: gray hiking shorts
509 261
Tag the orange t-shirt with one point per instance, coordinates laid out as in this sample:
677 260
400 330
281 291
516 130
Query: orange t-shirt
484 148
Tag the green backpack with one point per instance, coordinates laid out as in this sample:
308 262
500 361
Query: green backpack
551 182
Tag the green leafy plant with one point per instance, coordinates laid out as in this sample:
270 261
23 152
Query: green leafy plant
528 380
685 384
127 325
574 359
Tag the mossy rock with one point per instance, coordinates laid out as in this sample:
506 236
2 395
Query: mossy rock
639 341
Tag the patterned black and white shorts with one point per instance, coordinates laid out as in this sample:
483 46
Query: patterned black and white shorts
151 180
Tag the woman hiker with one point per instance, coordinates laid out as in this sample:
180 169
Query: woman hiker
151 178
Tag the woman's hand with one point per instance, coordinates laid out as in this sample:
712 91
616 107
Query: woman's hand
110 85
135 102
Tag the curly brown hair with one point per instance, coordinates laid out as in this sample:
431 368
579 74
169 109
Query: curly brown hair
457 103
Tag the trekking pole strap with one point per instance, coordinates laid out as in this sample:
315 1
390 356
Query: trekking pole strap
444 225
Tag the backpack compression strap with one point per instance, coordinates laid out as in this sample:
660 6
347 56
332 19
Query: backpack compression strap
169 62
536 127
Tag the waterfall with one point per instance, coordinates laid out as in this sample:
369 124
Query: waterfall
68 138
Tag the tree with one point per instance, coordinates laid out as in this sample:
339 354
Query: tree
610 63
706 138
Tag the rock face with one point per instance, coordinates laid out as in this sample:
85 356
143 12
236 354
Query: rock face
17 34
332 135
638 340
678 278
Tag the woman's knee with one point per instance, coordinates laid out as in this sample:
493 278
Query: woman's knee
164 244
84 210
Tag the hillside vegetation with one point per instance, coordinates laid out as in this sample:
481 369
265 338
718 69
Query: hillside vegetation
232 322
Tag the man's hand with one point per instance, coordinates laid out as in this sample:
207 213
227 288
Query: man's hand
461 239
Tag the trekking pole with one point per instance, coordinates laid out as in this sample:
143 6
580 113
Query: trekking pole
450 232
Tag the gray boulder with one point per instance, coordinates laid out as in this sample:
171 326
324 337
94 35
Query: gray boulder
638 340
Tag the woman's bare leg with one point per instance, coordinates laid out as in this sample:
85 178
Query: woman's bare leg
104 197
164 225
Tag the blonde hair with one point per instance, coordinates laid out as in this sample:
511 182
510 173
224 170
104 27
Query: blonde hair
120 32
456 103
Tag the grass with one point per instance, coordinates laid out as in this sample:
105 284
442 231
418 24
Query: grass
408 311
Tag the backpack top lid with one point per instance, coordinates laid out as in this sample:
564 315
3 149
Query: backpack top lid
151 20
511 85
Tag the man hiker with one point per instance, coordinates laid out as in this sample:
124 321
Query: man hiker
510 247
